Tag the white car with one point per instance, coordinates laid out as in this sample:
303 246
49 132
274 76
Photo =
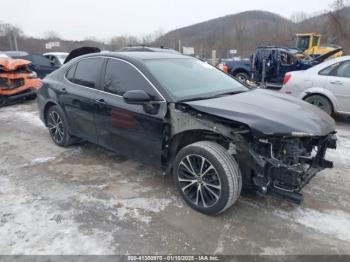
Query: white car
2 55
326 85
56 58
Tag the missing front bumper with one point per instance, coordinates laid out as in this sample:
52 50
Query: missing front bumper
275 177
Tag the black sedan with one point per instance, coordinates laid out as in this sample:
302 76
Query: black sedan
211 133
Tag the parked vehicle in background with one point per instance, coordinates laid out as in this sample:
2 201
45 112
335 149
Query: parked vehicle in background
39 64
186 117
238 68
17 81
3 55
310 44
16 53
326 85
149 49
269 65
56 58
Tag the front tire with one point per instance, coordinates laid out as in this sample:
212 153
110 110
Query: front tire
58 128
242 77
207 177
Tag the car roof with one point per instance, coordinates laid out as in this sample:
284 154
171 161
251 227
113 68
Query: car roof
16 53
56 53
138 55
280 48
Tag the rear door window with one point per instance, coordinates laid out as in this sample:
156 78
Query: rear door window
86 72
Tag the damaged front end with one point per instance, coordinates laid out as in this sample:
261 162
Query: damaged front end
282 144
284 165
16 80
274 164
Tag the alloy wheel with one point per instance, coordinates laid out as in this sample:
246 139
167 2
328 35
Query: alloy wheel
55 126
199 181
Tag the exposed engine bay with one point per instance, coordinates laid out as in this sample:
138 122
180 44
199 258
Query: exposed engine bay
285 165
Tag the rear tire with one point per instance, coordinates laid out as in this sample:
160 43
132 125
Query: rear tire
58 127
207 177
321 102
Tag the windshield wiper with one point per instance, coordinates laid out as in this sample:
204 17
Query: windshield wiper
228 93
211 97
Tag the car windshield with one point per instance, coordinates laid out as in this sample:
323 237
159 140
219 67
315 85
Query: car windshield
303 42
190 79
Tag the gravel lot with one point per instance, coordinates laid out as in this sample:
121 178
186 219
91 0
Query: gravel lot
86 200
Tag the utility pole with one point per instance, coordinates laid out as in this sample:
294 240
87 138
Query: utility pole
10 41
15 41
180 46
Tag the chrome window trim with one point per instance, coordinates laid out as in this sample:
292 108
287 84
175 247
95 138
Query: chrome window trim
110 57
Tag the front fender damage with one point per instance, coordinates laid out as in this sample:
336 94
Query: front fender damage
279 165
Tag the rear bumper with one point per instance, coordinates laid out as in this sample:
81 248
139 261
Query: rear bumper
26 93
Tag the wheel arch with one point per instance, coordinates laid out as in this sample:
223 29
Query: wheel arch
187 137
240 70
47 106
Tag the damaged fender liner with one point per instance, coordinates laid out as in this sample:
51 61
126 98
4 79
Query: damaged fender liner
277 165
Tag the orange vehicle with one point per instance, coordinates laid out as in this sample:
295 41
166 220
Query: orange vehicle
16 80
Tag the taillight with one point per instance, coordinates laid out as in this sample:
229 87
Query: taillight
287 77
225 69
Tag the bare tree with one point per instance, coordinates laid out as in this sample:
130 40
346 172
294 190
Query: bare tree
299 17
339 22
51 35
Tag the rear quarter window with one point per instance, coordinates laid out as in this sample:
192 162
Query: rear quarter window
86 72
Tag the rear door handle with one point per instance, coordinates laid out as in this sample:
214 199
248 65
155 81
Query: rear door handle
63 90
100 101
336 83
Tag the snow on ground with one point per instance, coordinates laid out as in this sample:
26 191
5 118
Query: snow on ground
332 222
41 160
16 112
67 205
29 225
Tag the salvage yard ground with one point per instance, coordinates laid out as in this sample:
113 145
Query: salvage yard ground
86 200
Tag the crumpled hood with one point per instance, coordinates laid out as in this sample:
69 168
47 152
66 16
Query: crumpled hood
9 64
268 112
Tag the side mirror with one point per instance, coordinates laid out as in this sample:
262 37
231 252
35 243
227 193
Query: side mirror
136 97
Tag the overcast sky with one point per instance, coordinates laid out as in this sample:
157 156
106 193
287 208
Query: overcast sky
78 19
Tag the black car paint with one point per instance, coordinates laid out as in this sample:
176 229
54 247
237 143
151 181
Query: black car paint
270 115
154 137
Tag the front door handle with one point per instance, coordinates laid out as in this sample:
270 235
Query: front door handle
100 101
63 90
339 83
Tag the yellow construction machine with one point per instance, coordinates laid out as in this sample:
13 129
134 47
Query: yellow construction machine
310 44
